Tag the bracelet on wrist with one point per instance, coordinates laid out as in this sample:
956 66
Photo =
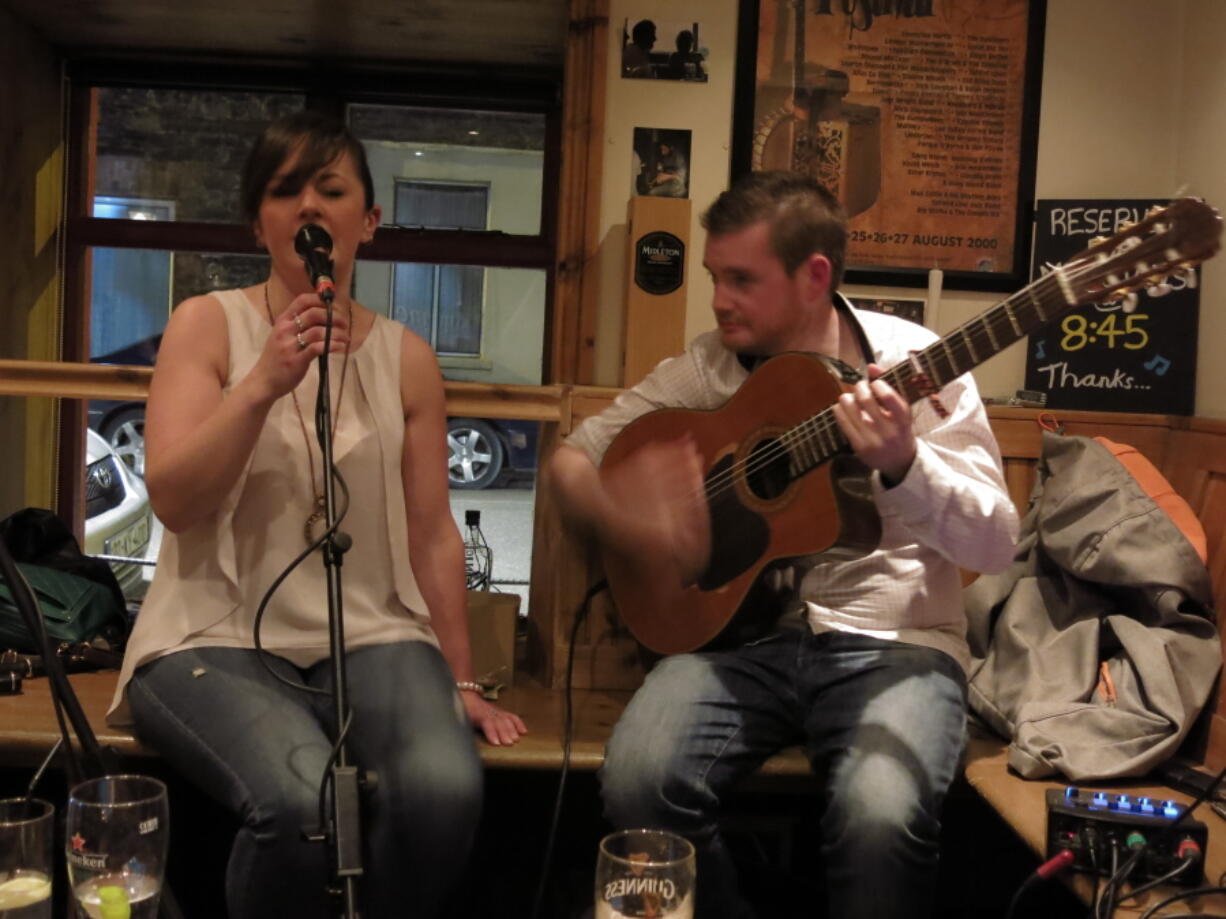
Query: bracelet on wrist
470 686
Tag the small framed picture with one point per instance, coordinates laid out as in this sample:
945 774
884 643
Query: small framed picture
911 310
656 50
660 167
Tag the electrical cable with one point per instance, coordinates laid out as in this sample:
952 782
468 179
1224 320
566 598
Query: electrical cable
1182 895
1151 884
261 654
1110 890
567 731
1053 866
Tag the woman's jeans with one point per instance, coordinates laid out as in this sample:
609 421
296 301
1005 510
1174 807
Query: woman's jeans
260 748
883 725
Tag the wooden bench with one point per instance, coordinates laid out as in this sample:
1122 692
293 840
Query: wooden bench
1190 452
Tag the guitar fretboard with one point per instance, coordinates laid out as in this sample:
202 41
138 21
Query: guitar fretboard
818 439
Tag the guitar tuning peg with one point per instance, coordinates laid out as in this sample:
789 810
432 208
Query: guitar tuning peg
1097 241
1159 288
1154 211
1129 302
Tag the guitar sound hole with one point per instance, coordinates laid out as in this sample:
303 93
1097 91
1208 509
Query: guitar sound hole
766 470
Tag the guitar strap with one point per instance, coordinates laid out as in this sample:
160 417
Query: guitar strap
844 309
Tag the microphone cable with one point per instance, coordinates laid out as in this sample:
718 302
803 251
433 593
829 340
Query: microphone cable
567 733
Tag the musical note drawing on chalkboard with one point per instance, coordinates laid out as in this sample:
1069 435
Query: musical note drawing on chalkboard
1158 364
1039 352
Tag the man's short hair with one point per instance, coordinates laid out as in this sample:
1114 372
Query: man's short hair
644 32
804 218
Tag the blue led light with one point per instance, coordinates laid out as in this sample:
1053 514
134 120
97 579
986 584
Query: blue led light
1123 803
1170 810
1146 805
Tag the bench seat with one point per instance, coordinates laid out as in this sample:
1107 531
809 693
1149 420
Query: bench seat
28 728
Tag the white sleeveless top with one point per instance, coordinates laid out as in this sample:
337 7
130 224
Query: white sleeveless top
210 579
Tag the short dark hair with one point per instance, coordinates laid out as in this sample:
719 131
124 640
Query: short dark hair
804 218
644 31
319 138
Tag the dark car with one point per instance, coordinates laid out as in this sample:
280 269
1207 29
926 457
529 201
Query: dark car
481 451
486 451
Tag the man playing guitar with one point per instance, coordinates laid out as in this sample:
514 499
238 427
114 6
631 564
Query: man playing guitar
865 662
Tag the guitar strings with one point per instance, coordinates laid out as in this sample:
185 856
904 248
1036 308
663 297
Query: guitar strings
823 424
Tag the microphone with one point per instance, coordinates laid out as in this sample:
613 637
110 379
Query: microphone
314 247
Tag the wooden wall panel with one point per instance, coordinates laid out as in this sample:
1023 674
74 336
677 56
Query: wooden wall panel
31 183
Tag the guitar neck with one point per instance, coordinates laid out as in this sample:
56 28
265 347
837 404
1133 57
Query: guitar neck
819 438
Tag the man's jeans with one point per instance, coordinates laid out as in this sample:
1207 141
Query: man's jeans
259 749
882 722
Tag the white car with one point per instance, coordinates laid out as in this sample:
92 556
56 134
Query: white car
118 520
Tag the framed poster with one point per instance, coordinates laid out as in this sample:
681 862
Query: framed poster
923 120
911 310
660 165
1109 357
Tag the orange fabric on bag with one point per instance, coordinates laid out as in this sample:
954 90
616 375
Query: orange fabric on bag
1154 484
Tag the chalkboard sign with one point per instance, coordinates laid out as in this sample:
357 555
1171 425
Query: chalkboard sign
1102 357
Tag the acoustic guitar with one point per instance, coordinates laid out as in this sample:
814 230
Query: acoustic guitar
780 481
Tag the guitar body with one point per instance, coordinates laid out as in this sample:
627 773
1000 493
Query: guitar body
760 515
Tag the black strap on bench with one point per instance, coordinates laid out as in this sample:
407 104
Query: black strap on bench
94 760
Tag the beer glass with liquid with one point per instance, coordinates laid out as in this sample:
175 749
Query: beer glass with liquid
26 830
645 874
116 832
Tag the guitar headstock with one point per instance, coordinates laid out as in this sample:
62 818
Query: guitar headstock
1169 241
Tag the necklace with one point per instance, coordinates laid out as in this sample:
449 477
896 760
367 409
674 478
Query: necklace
317 506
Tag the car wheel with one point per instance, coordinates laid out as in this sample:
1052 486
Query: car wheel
125 432
475 453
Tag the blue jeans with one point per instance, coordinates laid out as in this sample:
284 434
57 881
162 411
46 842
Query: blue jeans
259 748
883 725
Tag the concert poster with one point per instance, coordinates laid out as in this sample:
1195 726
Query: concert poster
920 115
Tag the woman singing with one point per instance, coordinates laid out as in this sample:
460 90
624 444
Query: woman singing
235 474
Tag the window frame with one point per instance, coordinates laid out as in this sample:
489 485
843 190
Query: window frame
397 182
534 92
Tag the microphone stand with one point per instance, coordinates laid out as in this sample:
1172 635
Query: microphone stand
343 832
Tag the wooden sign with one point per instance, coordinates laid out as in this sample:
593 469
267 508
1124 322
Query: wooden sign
655 295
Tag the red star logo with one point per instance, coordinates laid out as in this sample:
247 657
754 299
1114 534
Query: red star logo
78 842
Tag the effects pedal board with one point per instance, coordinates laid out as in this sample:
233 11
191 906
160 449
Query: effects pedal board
1105 828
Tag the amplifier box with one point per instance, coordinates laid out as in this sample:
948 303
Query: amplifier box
1104 828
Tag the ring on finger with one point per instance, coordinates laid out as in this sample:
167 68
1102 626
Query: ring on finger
301 342
298 321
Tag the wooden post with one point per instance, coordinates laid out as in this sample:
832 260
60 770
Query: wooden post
576 287
655 284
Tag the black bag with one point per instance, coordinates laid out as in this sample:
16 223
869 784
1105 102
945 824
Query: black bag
74 610
79 597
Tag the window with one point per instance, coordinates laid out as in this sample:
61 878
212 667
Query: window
464 257
441 303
